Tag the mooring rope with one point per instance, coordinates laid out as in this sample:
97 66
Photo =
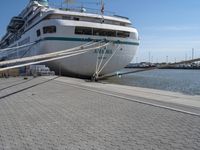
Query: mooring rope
17 47
43 56
48 59
98 65
100 70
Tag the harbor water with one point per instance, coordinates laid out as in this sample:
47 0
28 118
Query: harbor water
176 80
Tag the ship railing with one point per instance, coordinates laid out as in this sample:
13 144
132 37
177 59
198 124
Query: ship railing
83 9
90 10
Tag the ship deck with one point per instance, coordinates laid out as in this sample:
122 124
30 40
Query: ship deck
65 113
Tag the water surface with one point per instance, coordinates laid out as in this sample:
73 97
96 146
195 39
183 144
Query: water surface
184 81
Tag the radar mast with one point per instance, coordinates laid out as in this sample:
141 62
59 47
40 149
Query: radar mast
42 2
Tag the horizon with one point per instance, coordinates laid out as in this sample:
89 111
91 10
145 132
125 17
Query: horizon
167 29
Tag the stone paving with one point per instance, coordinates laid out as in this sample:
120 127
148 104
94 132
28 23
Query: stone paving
55 116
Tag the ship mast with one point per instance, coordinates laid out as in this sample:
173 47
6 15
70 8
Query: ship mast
102 7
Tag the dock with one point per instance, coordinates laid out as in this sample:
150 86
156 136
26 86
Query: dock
61 113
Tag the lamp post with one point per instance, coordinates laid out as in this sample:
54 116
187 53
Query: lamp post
136 59
192 53
167 59
149 57
186 57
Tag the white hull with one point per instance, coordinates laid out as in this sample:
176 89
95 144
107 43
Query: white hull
85 64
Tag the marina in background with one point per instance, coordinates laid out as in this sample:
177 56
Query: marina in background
194 65
186 81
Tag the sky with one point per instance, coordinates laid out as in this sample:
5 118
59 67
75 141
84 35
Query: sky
168 29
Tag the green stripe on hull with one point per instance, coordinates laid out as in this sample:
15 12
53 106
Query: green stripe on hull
86 40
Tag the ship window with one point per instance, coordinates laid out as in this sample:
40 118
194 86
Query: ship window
7 42
111 33
104 32
77 19
83 30
66 17
122 24
49 29
38 33
123 34
101 32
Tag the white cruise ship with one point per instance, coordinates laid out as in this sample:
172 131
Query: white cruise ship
61 29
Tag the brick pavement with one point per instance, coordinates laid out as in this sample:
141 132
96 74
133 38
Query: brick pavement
56 116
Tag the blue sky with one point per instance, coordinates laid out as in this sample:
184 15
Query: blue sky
167 28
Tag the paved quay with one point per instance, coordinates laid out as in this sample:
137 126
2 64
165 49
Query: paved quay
60 113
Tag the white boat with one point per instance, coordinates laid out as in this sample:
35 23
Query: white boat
61 29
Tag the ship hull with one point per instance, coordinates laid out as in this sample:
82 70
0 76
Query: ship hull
88 63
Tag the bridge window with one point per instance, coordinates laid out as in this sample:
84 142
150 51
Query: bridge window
49 29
